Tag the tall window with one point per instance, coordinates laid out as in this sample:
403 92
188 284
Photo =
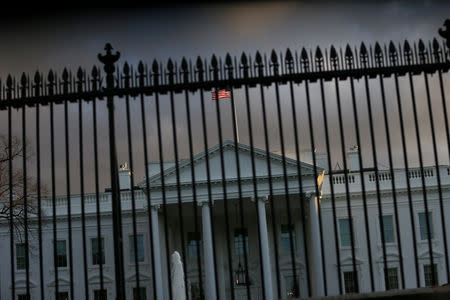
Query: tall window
21 257
98 251
391 275
194 243
100 295
388 229
63 296
291 287
61 254
240 241
139 293
344 232
195 291
350 282
428 274
140 248
285 238
423 226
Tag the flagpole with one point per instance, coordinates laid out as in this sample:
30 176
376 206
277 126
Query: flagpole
235 119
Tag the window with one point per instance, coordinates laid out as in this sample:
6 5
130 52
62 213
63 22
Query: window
423 226
98 253
240 241
195 291
285 238
344 231
391 278
140 248
350 282
23 297
63 296
21 257
194 240
427 272
388 229
139 293
61 254
100 295
291 287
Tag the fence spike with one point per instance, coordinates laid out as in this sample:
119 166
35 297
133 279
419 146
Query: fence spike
37 78
65 75
199 64
407 52
184 65
348 54
79 74
436 50
155 67
141 67
9 81
94 72
126 69
170 66
378 54
214 62
393 55
274 57
333 58
446 33
244 61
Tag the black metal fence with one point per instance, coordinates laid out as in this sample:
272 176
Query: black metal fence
333 225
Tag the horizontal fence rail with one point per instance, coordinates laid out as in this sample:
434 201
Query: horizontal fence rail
280 176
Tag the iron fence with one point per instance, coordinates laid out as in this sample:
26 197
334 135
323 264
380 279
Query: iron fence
333 224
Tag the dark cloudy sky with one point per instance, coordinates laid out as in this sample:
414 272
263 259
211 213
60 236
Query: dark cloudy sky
44 39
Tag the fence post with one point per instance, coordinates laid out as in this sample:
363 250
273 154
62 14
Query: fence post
108 60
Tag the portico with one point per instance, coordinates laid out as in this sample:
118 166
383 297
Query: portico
241 224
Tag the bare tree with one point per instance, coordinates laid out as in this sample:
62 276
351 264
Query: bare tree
17 207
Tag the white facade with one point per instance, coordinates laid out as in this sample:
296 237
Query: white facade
211 224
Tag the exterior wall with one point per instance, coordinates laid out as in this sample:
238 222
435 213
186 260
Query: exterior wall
251 223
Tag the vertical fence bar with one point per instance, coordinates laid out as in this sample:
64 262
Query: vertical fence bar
170 74
99 255
419 149
108 60
289 65
82 199
38 182
238 168
447 133
10 181
275 65
375 166
423 55
156 75
349 59
200 77
126 79
69 202
408 183
259 66
305 64
156 294
266 270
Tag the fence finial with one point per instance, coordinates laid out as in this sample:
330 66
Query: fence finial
446 33
108 60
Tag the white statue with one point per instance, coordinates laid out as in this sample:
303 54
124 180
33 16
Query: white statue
177 275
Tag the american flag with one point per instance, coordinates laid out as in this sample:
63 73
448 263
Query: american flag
221 94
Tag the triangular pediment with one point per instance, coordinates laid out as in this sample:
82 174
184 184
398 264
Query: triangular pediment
214 157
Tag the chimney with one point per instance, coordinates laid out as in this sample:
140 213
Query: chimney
353 158
124 177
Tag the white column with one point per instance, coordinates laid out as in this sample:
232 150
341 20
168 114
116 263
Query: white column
264 244
157 253
315 254
210 280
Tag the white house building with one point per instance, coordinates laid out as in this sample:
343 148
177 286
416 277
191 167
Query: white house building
268 203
